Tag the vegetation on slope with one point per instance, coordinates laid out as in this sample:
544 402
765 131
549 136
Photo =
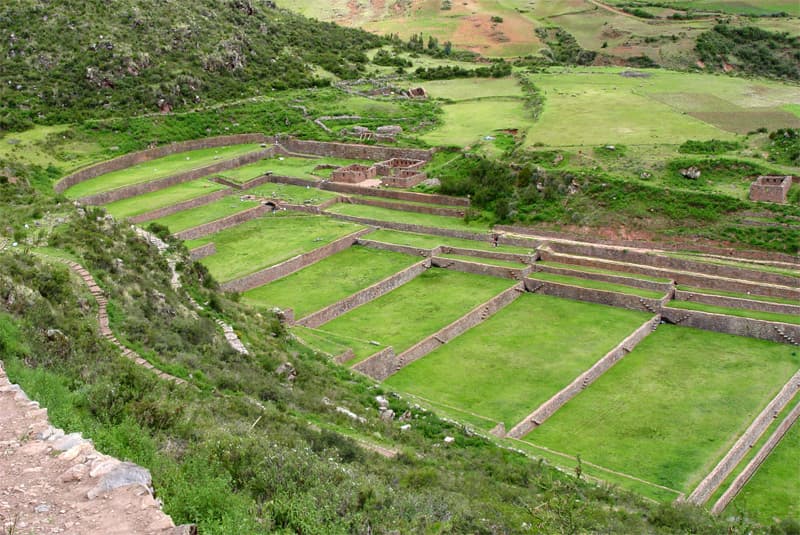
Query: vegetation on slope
751 50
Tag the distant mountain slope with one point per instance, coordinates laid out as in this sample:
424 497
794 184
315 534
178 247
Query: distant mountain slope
65 60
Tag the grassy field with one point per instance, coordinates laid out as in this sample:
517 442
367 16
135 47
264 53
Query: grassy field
158 168
427 241
671 408
507 366
311 288
773 490
266 241
473 88
415 310
738 7
284 166
412 218
467 122
768 316
597 285
162 198
204 214
292 194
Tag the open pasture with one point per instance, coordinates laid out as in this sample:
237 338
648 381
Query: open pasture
513 362
427 241
329 280
158 168
162 198
672 408
473 88
200 215
268 240
411 218
735 7
464 123
415 310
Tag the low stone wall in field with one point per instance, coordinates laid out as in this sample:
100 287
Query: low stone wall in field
591 295
181 206
267 275
735 302
203 251
774 331
478 268
364 296
223 223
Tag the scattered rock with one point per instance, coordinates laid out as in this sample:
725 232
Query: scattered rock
350 414
387 415
123 475
692 173
449 440
432 182
287 371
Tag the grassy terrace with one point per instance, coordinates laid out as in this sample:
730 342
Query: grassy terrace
492 261
411 218
670 409
586 269
597 285
396 201
284 166
266 241
768 316
162 198
204 214
427 241
292 194
310 289
744 265
408 314
158 168
507 366
751 297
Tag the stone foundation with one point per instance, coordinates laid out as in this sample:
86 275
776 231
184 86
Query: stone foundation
770 188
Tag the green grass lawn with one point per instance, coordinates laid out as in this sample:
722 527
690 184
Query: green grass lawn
492 261
415 310
507 366
673 407
473 88
597 285
329 280
161 198
204 214
284 166
739 295
158 168
427 220
428 241
586 269
292 194
268 240
768 316
773 490
467 122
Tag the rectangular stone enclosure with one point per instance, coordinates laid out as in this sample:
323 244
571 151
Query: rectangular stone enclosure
771 188
353 174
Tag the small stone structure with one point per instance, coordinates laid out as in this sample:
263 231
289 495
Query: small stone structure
770 188
353 173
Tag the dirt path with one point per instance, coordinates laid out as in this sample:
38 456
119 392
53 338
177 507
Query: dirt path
57 483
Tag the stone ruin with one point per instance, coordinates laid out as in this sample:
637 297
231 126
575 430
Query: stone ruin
386 134
771 188
416 92
353 173
395 172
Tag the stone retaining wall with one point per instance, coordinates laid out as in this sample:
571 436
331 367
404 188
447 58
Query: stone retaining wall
615 279
591 295
379 365
403 180
364 296
134 158
223 223
133 190
580 383
353 151
751 468
496 255
774 331
735 455
179 207
478 268
409 196
417 208
403 249
203 251
735 302
267 275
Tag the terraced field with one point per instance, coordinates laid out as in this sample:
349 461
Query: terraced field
162 198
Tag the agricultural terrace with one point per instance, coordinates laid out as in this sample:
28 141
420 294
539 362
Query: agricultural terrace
516 360
597 285
158 168
329 280
159 199
415 310
427 241
767 316
268 240
410 218
285 166
669 410
292 194
200 215
739 295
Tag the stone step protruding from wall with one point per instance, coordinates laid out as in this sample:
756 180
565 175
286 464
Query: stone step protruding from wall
580 383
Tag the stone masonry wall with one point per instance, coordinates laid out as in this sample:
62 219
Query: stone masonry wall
364 296
203 251
379 366
150 154
434 210
179 207
590 295
580 383
735 302
616 279
404 181
223 223
267 275
354 151
478 268
155 185
404 249
774 331
496 255
714 479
